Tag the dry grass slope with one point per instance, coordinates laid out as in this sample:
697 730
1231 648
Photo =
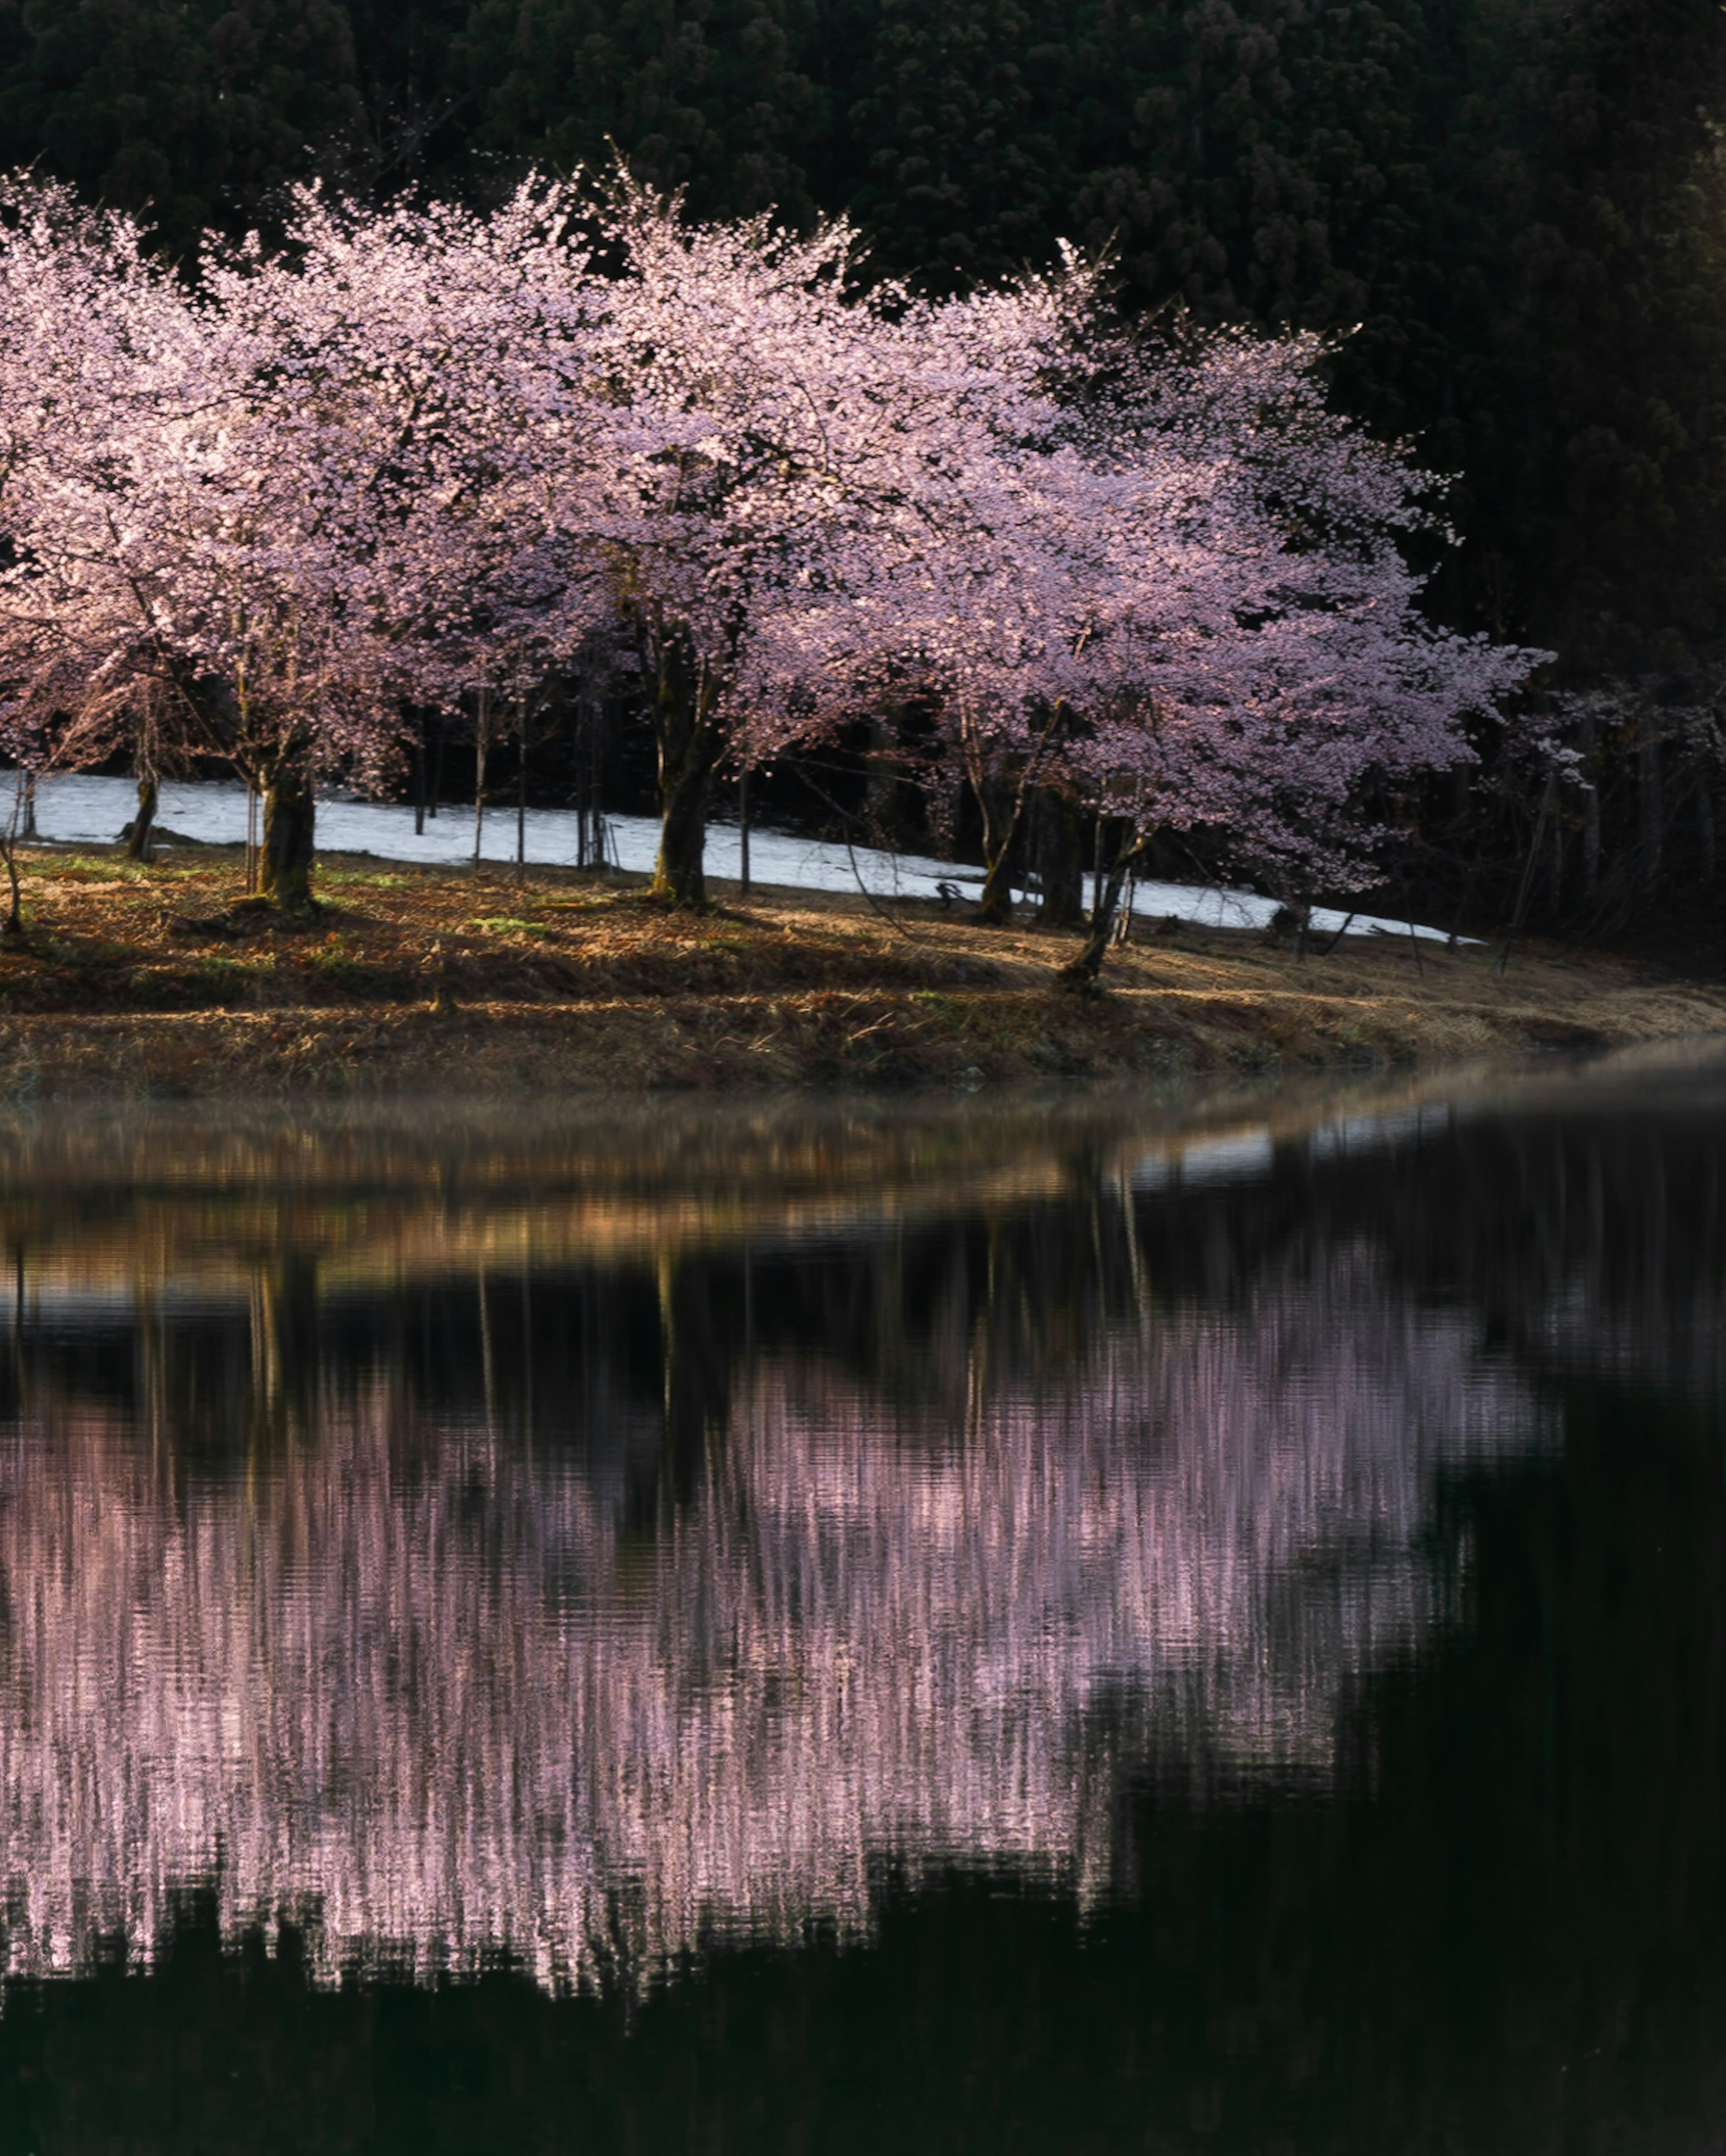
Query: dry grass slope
164 982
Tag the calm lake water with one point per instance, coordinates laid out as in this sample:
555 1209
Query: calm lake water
1083 1625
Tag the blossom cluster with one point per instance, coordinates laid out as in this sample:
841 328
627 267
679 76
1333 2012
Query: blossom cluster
424 456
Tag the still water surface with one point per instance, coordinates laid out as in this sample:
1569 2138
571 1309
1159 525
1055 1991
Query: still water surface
1079 1625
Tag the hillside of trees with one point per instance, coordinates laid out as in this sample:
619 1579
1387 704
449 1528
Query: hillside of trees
1513 214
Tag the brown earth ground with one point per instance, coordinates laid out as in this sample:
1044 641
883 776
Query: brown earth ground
164 982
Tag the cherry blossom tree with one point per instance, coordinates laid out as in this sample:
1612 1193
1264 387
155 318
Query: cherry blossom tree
424 456
1300 668
811 453
1182 597
100 357
318 488
411 444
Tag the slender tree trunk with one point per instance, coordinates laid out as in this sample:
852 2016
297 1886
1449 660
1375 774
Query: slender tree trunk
1590 812
521 803
1653 802
482 741
290 837
1591 842
1123 914
419 785
137 837
1548 795
30 829
743 834
13 924
1082 972
437 772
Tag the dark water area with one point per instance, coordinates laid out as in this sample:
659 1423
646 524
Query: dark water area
1077 1624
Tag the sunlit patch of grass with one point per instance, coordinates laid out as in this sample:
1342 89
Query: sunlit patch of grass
80 865
338 961
359 879
504 924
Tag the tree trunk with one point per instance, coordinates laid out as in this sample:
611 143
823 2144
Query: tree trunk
1003 814
521 799
1060 861
482 742
13 924
679 873
1590 811
881 792
139 831
690 745
290 831
1653 806
995 907
1082 972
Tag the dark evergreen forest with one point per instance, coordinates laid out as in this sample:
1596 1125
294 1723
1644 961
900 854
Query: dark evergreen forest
1512 213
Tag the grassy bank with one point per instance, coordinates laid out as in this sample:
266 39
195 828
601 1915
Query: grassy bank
166 981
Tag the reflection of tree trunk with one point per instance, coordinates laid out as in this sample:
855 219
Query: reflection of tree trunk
139 831
488 1367
695 1369
290 834
285 1346
1060 861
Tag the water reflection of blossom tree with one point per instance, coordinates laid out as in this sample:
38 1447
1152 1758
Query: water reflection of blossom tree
441 1690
